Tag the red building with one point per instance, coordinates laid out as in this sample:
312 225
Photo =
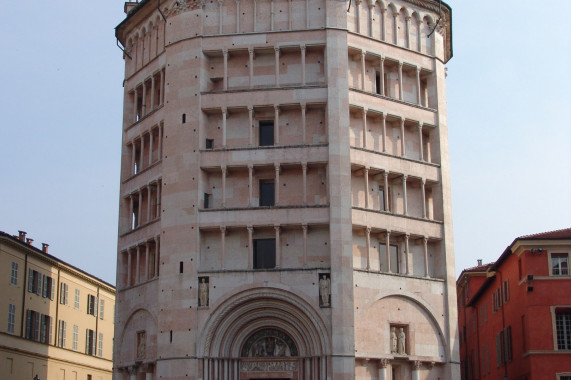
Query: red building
515 314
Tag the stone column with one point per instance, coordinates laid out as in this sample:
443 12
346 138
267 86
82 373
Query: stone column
220 16
152 93
289 15
272 15
388 250
144 108
224 172
423 196
276 125
237 16
304 228
370 22
225 80
277 184
304 171
307 14
402 142
405 202
425 241
251 126
368 247
416 370
250 180
365 127
224 127
250 246
251 63
148 203
140 208
206 369
133 154
157 255
160 143
383 363
383 24
255 15
303 124
406 254
135 105
386 190
363 54
129 264
277 59
146 260
142 149
159 198
278 253
420 147
151 147
366 175
400 81
407 21
395 29
302 47
382 76
418 98
162 88
223 246
138 266
384 125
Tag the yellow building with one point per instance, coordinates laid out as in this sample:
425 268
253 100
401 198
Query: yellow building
56 321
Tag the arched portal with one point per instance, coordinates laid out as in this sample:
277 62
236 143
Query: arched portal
264 333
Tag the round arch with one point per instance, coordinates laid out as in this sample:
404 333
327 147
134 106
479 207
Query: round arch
277 312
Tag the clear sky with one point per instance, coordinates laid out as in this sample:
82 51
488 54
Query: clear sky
509 112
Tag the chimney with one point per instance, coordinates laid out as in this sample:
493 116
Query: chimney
29 241
479 262
129 6
45 247
22 235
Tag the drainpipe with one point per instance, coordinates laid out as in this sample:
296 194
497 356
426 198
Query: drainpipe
503 324
24 289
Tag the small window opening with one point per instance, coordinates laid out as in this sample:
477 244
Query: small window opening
207 200
170 336
180 267
264 253
183 118
266 137
378 82
209 143
267 194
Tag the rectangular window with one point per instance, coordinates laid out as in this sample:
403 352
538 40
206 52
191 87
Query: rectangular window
34 282
75 337
100 345
76 301
264 253
61 334
563 327
267 193
14 274
560 264
63 293
266 137
11 318
91 305
45 329
89 342
101 308
207 200
378 82
209 144
33 322
48 288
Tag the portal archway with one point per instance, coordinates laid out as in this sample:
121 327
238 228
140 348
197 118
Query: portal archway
264 333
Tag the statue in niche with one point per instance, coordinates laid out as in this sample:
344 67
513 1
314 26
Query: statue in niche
324 290
203 292
141 344
401 342
394 344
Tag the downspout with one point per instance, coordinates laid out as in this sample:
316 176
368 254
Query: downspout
58 295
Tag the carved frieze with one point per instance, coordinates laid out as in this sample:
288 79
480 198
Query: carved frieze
268 366
269 343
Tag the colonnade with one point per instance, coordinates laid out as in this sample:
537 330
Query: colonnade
136 204
306 368
250 229
277 171
150 271
383 142
382 85
137 148
141 104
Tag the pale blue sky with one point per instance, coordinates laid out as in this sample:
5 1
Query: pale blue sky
509 111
